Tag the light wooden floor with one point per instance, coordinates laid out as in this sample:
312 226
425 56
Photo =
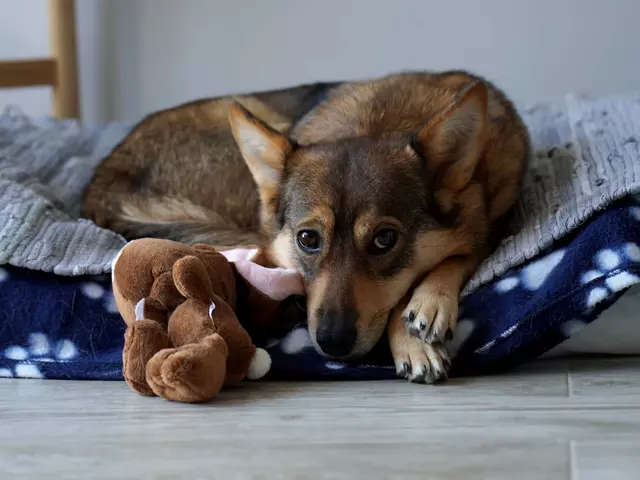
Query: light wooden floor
553 420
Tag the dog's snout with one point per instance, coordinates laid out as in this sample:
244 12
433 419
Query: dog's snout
336 333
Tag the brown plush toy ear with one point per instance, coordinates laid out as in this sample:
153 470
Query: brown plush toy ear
192 280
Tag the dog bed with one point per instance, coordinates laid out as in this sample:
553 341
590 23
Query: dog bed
574 249
54 326
615 332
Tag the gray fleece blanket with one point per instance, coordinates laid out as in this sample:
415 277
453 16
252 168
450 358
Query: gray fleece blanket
587 155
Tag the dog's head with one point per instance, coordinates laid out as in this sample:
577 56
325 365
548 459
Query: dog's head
363 218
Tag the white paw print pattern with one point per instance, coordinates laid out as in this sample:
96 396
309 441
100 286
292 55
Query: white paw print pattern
607 264
97 292
335 365
533 276
295 341
571 327
39 350
462 333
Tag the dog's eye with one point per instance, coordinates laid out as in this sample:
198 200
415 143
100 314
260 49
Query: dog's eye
309 241
383 242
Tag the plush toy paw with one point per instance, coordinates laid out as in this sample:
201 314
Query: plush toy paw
192 373
142 340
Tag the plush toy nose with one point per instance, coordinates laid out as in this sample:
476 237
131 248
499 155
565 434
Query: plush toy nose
336 333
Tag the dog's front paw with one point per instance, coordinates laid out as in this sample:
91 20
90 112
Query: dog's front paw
431 314
420 362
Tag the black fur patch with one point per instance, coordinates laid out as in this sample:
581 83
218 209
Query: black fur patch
444 218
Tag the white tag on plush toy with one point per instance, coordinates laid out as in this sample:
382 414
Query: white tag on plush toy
139 310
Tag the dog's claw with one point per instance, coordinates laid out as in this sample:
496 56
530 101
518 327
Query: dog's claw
448 336
409 317
404 370
431 335
431 316
416 327
422 363
447 362
413 327
420 376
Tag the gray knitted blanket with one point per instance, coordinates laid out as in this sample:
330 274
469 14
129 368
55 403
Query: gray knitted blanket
44 168
587 156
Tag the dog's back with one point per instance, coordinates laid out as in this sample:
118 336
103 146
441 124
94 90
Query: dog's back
179 174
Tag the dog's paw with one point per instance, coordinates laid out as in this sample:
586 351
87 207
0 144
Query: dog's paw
431 314
421 362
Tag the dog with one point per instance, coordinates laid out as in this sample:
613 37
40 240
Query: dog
386 194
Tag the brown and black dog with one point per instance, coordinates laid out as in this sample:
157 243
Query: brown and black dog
386 194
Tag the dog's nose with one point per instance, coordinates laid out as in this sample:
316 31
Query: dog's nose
336 333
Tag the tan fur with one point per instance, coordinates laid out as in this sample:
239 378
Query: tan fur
366 224
165 209
315 297
280 250
321 217
438 157
374 299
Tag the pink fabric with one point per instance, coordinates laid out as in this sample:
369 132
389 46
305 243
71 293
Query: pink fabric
277 283
240 254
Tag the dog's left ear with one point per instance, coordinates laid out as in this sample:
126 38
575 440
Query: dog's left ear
264 150
453 141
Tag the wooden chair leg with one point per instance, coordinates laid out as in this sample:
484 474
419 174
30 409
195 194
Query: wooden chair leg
62 31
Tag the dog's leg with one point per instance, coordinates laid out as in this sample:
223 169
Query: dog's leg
432 312
415 360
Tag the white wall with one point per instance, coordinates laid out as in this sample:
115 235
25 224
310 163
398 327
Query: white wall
141 55
24 33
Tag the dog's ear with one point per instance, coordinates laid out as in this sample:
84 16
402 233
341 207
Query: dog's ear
265 151
452 142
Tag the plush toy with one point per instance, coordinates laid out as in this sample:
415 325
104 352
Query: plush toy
183 306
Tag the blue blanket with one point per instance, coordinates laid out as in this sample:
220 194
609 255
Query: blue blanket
68 327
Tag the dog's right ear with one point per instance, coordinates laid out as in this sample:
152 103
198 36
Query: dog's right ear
265 151
454 140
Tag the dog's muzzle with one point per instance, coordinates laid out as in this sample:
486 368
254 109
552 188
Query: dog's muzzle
336 333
